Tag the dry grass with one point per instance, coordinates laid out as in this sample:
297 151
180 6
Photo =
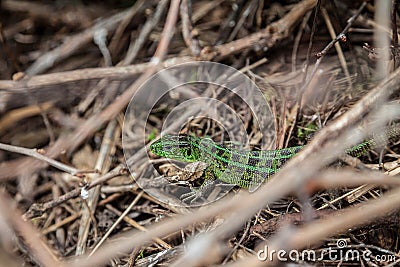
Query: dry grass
68 72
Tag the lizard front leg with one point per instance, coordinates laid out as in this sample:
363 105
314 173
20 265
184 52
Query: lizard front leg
204 190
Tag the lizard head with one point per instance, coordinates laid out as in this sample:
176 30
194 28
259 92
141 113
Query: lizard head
179 147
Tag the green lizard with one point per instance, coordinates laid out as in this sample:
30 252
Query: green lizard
245 168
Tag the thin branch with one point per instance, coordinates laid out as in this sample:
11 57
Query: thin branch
38 154
320 55
337 45
102 165
115 224
72 44
168 32
138 42
265 38
59 78
187 28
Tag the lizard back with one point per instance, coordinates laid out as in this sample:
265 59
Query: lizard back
244 168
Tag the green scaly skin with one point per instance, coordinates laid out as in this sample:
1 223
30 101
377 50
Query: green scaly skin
245 168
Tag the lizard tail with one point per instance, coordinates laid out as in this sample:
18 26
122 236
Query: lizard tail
390 135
